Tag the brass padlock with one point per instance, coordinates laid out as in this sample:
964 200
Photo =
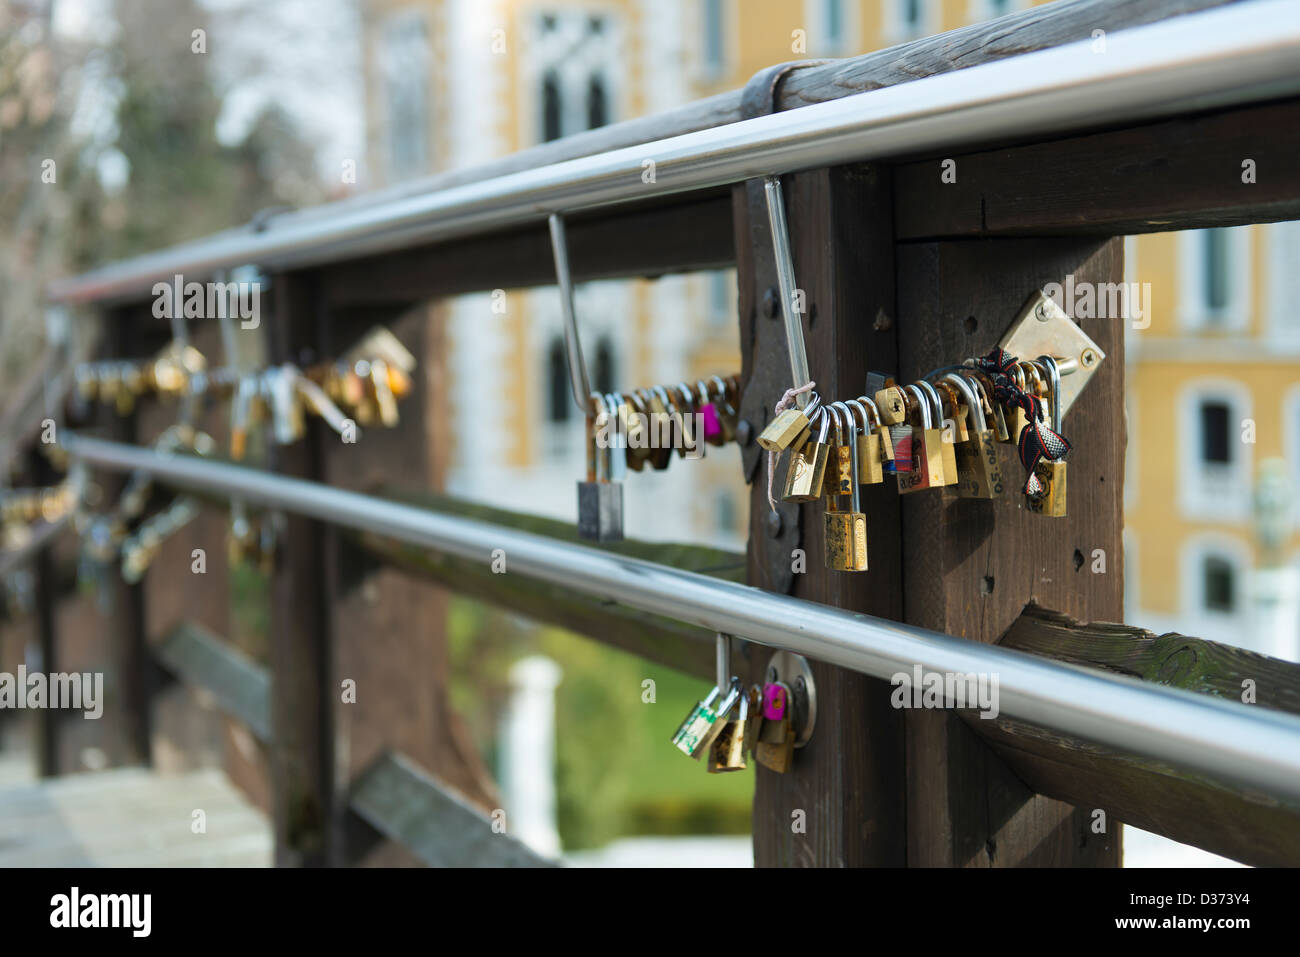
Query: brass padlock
774 748
790 428
807 468
839 463
1051 474
892 405
927 454
727 753
979 473
948 455
870 466
846 532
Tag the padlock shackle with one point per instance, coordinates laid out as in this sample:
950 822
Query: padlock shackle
922 405
853 455
974 410
936 403
1054 384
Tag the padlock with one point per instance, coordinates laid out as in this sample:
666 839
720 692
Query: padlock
846 532
869 461
661 428
775 746
727 753
839 462
892 405
382 389
638 432
807 468
789 428
702 725
1051 474
600 500
280 392
688 441
927 456
979 474
948 455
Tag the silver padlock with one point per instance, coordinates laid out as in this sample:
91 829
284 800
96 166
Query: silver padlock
600 501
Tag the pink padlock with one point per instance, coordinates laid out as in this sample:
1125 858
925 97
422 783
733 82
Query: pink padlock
712 424
775 701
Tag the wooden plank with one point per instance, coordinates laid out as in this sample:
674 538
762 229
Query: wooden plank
301 683
1037 28
848 781
970 566
389 628
241 686
690 232
654 637
1188 808
1181 174
432 821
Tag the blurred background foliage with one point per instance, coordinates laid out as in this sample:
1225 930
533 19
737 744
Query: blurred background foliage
73 109
616 772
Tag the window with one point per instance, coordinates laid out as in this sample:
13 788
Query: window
1215 444
1284 283
991 9
603 370
1215 278
1218 584
722 297
404 59
832 26
1214 467
557 380
908 19
714 36
575 55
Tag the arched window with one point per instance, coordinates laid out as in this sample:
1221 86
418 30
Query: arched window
597 102
557 382
552 107
1218 584
603 380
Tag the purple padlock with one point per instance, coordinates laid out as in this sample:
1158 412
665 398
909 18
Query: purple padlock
712 424
775 700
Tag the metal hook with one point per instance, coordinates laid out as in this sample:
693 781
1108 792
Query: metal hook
785 279
578 378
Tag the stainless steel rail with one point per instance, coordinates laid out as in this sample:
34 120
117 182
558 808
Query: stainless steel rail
1235 54
1250 746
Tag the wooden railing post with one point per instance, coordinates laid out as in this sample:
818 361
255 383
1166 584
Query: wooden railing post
302 719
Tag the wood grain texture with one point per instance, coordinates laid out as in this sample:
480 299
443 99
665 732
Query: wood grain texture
970 566
1181 174
848 781
1217 816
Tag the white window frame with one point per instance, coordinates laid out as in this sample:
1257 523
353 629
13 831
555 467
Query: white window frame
1225 494
1283 260
711 71
555 52
1194 314
981 10
390 36
897 31
819 39
1216 625
1291 444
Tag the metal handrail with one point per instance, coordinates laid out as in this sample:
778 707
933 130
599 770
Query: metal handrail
1251 746
1231 55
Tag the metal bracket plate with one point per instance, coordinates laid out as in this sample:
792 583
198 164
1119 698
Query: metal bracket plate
793 671
1043 328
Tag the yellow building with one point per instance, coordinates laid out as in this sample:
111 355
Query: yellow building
1214 392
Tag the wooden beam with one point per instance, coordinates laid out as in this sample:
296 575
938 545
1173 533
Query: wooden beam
302 686
662 640
1180 174
848 781
241 686
970 566
434 823
690 232
1227 820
